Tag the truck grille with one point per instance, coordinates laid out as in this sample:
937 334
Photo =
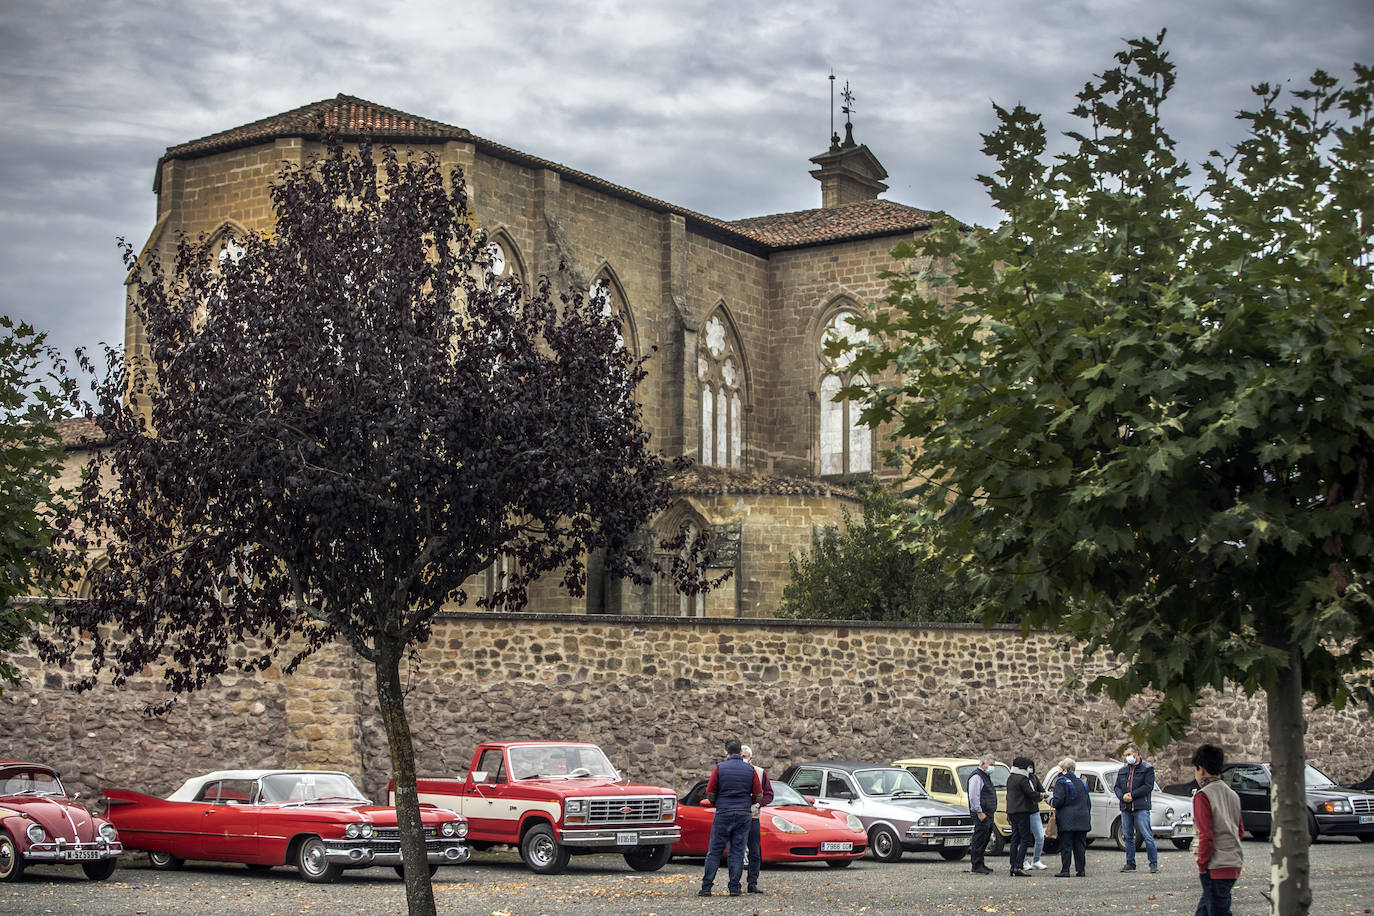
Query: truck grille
1362 805
643 810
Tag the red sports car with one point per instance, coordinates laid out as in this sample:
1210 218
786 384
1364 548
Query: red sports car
791 829
40 824
317 821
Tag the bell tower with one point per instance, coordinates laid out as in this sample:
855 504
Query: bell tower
848 171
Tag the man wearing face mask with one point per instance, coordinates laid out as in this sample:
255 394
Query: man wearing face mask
1135 782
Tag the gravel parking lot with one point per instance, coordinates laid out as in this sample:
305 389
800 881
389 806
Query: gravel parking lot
497 884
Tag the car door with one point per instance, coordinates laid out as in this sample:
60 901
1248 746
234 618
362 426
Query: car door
229 821
486 804
1251 782
1102 802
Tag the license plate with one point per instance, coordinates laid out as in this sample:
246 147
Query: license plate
627 838
77 855
1183 831
837 847
1367 818
958 840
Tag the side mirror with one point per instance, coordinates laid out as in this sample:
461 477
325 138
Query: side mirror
478 776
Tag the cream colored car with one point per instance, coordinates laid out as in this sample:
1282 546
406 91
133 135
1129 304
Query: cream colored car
946 779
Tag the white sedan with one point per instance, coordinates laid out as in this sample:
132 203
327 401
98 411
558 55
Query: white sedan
1171 816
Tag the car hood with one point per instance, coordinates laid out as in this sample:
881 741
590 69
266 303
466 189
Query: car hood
810 818
902 808
57 816
566 786
1336 792
377 815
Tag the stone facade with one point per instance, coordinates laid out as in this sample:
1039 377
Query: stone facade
757 294
659 694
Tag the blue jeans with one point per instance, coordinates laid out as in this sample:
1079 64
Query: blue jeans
1038 832
1131 821
1216 896
732 828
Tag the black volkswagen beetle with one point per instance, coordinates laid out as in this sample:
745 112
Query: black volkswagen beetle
1331 810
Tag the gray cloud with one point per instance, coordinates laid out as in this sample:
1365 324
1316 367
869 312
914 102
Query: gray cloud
713 106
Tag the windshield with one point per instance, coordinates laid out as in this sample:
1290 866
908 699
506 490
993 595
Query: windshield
997 771
1316 779
309 788
560 761
29 782
888 781
783 794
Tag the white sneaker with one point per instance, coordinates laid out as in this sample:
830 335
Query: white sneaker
1027 866
1039 865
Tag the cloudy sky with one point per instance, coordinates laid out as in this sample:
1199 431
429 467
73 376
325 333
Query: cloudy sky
715 106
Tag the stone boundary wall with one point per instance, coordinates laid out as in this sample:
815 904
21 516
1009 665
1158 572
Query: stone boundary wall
658 694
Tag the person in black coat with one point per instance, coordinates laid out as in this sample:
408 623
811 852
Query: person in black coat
1023 803
1073 814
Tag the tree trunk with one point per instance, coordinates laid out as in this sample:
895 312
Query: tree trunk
1289 864
391 701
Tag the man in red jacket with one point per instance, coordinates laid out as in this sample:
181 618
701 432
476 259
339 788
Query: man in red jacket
1216 815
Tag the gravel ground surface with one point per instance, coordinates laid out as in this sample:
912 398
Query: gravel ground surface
496 884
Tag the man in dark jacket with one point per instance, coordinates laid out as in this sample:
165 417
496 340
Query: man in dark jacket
733 789
982 804
1074 816
755 835
1135 782
1023 803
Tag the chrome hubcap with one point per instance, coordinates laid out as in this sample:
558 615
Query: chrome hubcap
541 851
313 858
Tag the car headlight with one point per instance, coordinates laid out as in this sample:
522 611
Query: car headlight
461 827
928 822
36 834
353 831
1336 806
854 823
668 807
786 826
1169 814
575 806
108 833
448 828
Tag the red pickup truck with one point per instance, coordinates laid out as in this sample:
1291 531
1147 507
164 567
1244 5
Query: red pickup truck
552 799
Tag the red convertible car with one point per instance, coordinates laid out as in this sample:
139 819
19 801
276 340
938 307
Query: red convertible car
317 821
40 824
791 829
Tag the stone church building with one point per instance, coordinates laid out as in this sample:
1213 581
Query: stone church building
738 311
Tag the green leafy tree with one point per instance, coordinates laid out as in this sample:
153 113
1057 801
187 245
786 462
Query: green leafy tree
334 426
868 571
1149 411
33 396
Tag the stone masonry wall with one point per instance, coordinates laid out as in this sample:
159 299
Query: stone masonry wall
660 695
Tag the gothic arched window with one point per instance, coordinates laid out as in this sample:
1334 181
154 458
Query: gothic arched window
846 447
505 260
720 373
605 285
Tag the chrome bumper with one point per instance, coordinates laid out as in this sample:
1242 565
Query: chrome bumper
63 851
358 854
621 836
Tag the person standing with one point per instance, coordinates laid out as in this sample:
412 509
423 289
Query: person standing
1135 783
1022 802
755 836
1036 824
1216 815
982 804
1073 812
732 789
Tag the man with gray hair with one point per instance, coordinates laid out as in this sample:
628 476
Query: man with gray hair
755 862
982 804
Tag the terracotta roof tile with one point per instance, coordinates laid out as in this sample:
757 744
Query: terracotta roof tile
709 481
79 432
864 219
354 117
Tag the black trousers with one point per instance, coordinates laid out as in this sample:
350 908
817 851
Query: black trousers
982 831
1021 838
1073 843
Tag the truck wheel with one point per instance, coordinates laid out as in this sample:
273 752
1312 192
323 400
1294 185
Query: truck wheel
312 864
649 858
11 862
164 861
884 843
99 870
541 851
953 855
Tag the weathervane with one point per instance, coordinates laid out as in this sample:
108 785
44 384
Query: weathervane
848 107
